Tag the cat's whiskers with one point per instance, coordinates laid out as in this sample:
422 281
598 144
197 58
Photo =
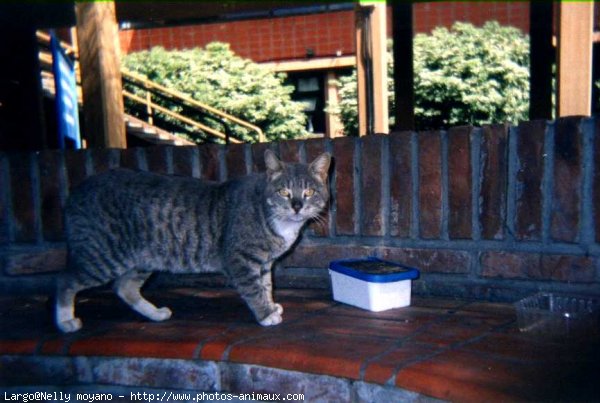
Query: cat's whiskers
319 219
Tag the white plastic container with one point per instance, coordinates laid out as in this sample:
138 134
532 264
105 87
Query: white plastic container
372 284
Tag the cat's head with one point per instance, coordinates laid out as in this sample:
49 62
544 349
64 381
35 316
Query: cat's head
296 192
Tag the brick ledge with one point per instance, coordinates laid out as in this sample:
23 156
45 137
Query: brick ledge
446 349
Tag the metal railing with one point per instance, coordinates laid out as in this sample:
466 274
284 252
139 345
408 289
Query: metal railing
164 107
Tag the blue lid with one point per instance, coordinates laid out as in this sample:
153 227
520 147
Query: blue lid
374 270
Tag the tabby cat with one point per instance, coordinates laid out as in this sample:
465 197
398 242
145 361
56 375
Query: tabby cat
123 225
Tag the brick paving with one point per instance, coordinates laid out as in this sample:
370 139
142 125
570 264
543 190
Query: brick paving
447 349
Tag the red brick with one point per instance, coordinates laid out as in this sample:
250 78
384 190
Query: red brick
460 182
400 184
455 375
494 181
127 337
75 161
334 356
343 152
430 184
300 30
382 369
289 151
429 260
4 200
509 345
156 158
530 149
258 156
236 160
183 160
130 158
51 194
569 269
566 198
104 159
53 346
124 347
13 347
209 161
596 194
426 260
536 266
23 196
35 261
320 256
314 148
508 264
371 214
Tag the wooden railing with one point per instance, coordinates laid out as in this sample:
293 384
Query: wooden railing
161 106
154 92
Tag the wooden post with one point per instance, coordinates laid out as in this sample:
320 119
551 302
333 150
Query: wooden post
361 91
402 28
21 110
371 66
333 126
574 64
542 57
98 40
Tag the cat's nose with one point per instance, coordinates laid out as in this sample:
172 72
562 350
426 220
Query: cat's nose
296 205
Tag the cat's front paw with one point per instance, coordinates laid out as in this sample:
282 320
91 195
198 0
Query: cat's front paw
273 319
161 314
70 325
279 309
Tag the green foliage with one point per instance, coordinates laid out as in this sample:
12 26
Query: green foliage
471 75
217 77
347 107
465 75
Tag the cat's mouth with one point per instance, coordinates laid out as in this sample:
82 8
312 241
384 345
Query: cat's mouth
297 217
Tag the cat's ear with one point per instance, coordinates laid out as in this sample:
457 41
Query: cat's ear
320 166
274 166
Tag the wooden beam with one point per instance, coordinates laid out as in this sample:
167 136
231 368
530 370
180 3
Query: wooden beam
98 41
542 57
402 31
371 63
574 64
324 63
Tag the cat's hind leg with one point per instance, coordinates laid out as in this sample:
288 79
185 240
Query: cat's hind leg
68 284
128 288
65 307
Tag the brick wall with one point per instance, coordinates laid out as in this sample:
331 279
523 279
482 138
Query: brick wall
494 212
427 16
282 38
260 40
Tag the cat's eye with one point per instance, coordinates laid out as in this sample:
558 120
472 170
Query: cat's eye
284 192
309 192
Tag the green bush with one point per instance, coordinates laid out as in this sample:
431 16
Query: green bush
465 75
216 76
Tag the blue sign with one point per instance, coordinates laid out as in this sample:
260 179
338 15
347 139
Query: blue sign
66 95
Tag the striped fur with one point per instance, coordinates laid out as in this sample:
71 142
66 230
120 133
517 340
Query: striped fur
123 225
